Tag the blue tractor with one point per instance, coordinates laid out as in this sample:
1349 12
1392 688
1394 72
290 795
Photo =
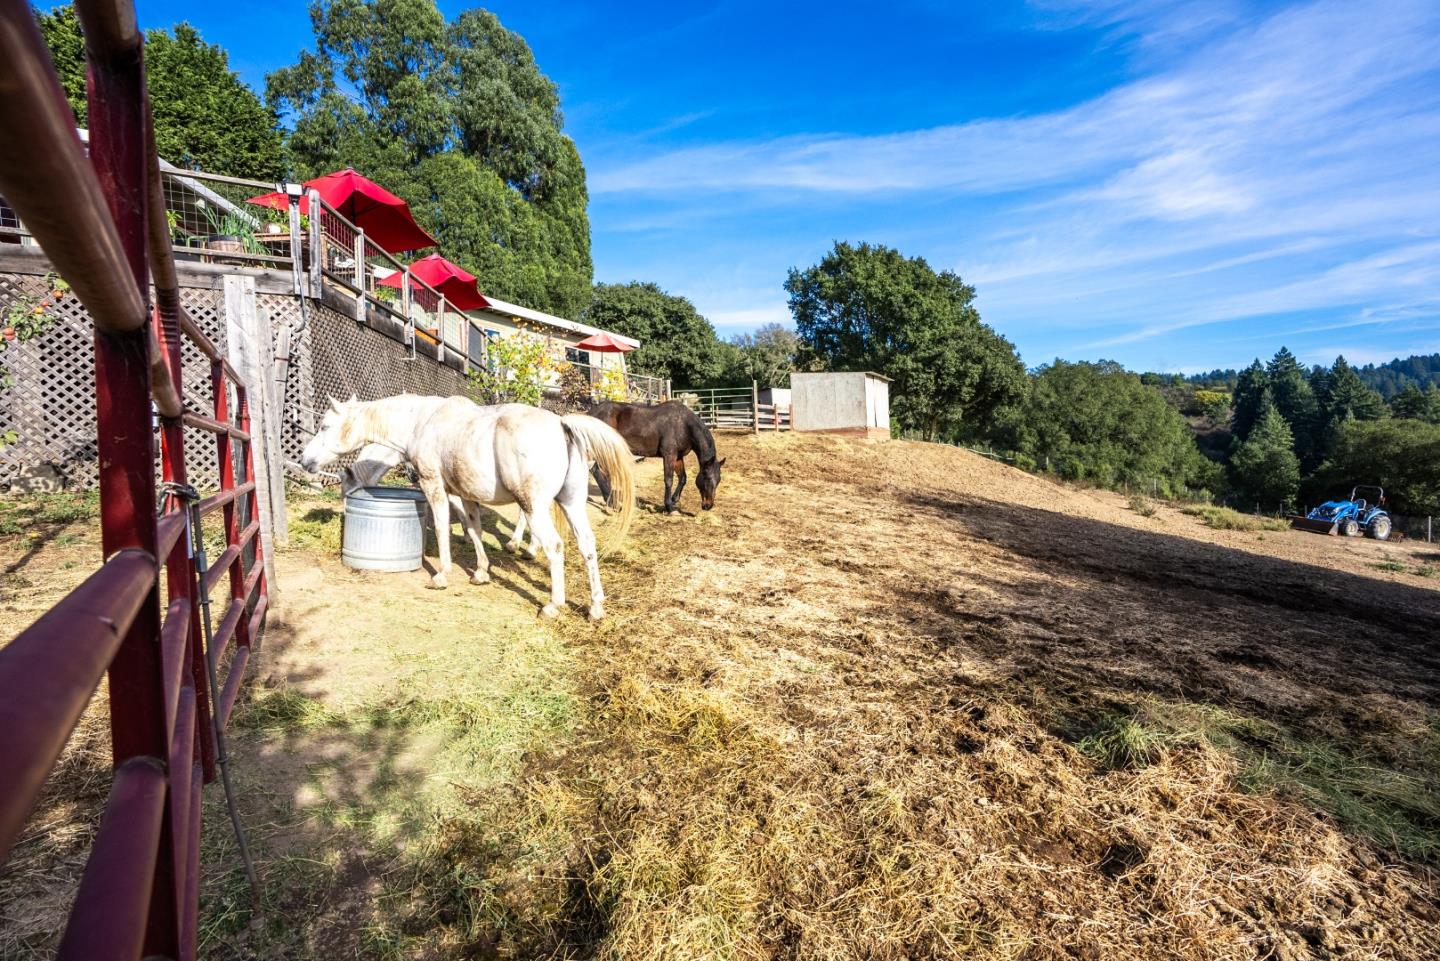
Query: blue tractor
1350 517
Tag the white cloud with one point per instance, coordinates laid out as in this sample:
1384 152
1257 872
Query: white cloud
1262 165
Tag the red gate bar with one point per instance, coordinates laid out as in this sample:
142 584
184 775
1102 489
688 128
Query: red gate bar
101 224
40 704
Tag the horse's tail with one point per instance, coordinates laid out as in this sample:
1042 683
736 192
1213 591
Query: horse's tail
601 443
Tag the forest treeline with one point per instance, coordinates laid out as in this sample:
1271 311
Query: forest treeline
1390 378
1276 435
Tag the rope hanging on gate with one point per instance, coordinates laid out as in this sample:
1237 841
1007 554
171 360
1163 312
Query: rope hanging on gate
189 497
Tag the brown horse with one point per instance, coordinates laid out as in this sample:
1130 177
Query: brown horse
668 431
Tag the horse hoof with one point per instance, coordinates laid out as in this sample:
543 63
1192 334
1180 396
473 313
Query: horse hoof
672 512
531 553
512 547
597 611
549 610
480 577
437 584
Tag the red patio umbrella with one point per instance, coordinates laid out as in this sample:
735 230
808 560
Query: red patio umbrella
606 343
457 284
384 217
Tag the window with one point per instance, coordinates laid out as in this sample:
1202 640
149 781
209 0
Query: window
577 356
490 334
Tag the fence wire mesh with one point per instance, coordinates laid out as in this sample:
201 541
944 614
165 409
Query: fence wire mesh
211 222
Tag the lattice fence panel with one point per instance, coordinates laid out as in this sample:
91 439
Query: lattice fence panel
207 309
51 404
342 358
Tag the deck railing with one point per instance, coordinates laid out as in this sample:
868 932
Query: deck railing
101 221
210 221
354 261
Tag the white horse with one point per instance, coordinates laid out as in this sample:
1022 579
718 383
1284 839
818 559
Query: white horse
376 460
493 455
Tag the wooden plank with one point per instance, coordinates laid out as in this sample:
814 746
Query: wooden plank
251 353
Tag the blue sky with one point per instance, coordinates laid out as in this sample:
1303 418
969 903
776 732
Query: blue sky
1174 185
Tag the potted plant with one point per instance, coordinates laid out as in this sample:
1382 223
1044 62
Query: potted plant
229 232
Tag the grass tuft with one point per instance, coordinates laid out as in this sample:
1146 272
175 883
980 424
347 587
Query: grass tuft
1142 505
286 710
1226 519
1126 742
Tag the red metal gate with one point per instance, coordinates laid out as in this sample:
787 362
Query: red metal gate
101 222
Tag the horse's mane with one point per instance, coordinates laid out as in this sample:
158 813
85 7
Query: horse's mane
700 437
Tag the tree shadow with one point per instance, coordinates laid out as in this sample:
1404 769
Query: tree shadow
1130 609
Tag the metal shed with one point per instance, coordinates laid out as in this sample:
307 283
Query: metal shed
849 402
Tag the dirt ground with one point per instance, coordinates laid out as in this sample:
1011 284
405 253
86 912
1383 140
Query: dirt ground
888 700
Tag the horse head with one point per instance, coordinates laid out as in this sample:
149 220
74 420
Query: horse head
339 434
708 480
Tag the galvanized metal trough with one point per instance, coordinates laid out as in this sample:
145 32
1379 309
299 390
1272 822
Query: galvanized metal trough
384 529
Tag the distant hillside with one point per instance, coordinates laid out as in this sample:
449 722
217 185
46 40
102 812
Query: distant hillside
1389 378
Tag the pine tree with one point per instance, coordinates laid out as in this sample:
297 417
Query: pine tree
1250 389
1346 396
1295 401
1265 467
1415 404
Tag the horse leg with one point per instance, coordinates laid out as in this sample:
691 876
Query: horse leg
474 525
680 473
601 481
574 508
669 479
542 527
518 534
434 491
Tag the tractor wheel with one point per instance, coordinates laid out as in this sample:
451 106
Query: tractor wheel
1380 528
1349 528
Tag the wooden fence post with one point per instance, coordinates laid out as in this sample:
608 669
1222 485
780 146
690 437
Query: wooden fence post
317 242
297 246
251 352
360 276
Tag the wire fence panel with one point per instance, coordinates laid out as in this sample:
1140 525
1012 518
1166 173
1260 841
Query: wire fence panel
337 249
211 222
722 408
1414 527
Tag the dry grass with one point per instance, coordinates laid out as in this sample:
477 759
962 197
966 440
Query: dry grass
875 718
